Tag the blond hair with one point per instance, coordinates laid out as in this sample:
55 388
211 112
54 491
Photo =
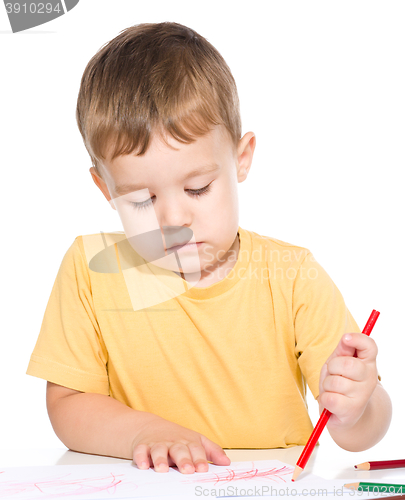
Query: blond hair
154 78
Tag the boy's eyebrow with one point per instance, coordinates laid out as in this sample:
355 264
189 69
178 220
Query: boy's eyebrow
128 188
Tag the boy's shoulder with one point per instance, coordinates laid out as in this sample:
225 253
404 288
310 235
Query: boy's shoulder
278 248
97 244
110 236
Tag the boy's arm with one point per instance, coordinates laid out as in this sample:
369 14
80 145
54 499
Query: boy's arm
101 425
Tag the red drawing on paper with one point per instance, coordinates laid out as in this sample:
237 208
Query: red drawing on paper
230 475
61 487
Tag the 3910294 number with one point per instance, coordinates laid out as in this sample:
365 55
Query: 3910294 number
32 8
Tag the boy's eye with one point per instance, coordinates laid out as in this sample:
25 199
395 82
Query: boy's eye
194 192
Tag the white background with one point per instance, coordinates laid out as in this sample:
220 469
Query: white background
321 84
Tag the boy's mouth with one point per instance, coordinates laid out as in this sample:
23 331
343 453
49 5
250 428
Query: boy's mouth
185 246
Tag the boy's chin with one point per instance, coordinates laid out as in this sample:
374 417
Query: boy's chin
190 264
190 271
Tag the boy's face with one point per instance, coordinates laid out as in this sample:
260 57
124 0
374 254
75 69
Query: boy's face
186 192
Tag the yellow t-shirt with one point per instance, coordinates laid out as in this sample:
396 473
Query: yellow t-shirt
229 361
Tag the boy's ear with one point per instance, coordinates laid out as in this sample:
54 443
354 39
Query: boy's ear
99 182
245 150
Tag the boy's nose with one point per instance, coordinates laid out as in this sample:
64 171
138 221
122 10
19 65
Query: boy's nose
175 214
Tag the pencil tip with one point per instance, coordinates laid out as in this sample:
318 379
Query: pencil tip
296 473
364 466
352 486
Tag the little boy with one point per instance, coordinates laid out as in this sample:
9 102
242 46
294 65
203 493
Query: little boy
188 334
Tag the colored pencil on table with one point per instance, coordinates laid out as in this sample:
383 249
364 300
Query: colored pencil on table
393 497
377 487
385 464
323 419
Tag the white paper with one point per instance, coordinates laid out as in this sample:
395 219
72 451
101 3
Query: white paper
258 479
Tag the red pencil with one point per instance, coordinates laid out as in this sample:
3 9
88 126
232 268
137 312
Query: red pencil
386 464
323 419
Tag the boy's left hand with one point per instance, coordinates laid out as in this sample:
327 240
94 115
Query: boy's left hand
347 383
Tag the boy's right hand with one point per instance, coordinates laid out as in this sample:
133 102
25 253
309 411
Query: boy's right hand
162 443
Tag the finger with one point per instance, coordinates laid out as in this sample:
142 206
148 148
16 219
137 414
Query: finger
340 385
141 456
198 457
342 349
180 454
336 403
365 346
159 453
348 367
322 375
214 452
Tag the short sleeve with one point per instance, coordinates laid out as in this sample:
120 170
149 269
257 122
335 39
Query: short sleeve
321 318
70 350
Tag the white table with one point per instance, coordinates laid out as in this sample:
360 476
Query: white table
328 460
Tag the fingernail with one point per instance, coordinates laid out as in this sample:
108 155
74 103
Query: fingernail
144 464
348 337
187 468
